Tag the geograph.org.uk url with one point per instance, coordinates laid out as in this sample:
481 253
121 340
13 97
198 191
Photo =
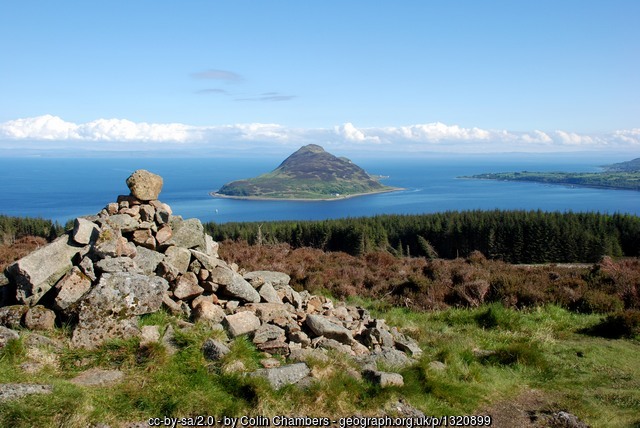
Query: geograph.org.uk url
305 421
426 421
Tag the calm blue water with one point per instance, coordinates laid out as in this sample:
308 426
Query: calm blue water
61 189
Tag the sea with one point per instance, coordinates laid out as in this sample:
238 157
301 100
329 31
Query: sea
61 189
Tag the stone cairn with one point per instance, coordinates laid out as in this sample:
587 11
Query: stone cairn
135 257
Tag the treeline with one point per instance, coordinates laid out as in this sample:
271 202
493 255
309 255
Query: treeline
12 228
512 236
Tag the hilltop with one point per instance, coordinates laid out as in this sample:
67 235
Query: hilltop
628 166
309 173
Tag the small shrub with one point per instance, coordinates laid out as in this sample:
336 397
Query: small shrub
471 294
476 258
595 301
461 274
622 324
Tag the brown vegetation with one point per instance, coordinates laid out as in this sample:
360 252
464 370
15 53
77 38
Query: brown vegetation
418 283
10 252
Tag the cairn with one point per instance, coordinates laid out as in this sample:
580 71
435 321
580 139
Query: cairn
135 257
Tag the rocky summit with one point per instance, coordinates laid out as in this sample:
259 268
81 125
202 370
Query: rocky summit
135 257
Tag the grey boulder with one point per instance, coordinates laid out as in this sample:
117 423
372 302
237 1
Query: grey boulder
84 231
214 349
384 379
37 272
268 293
117 264
241 323
178 258
240 289
285 375
147 260
124 222
187 233
6 334
12 316
71 288
13 391
323 327
110 308
275 278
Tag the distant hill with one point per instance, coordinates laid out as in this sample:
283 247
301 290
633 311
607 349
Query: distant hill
309 173
629 166
621 176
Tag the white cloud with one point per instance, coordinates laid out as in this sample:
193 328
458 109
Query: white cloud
348 132
255 131
99 134
49 127
125 130
630 136
571 138
537 137
45 127
436 132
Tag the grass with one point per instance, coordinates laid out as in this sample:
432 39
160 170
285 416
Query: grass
594 377
490 354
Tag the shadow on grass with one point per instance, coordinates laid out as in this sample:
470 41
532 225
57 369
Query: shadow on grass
625 324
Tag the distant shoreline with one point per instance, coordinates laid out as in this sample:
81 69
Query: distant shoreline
560 179
339 198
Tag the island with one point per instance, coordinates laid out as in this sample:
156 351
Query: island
310 173
621 176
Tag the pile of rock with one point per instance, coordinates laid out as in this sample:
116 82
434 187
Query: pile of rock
135 257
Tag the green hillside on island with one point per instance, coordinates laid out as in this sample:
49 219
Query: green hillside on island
309 173
622 176
629 166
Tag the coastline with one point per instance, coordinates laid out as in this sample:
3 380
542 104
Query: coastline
551 183
339 198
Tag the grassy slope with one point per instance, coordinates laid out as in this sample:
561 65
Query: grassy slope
537 349
628 166
541 349
309 173
282 187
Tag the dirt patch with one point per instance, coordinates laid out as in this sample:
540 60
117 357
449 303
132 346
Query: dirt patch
517 412
530 409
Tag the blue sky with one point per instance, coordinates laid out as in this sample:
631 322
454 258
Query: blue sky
365 75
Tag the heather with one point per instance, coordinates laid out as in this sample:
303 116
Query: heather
423 284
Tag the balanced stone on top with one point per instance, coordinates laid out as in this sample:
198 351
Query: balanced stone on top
145 185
